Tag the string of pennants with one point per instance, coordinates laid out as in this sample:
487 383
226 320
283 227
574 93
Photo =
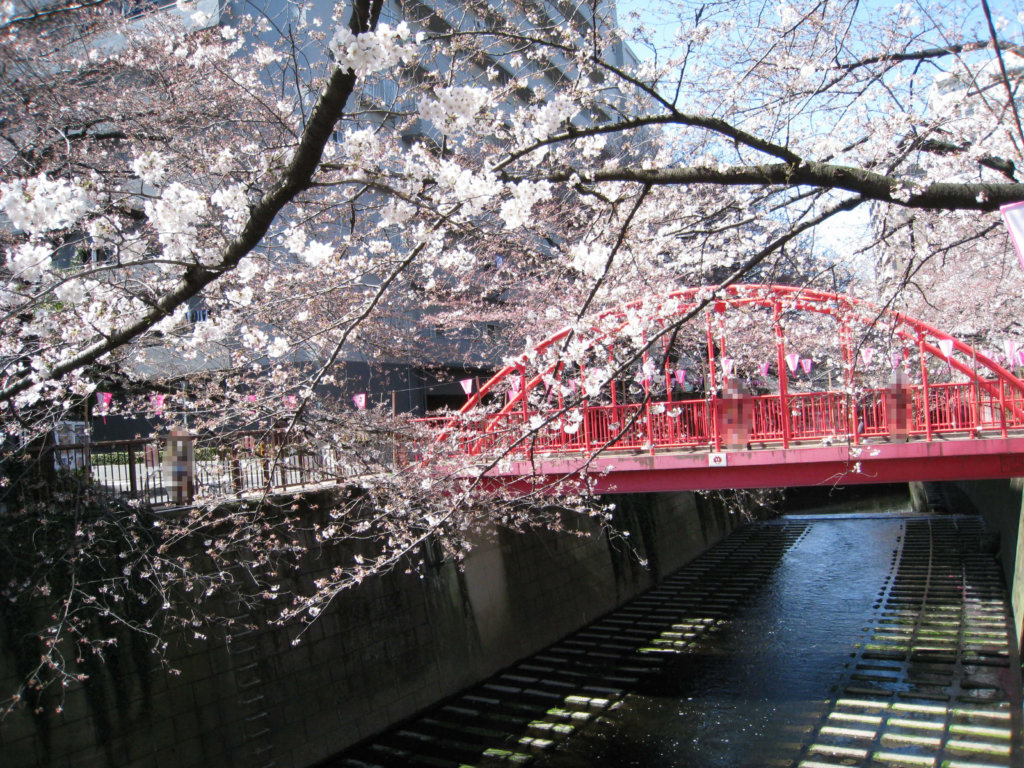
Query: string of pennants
158 401
1012 355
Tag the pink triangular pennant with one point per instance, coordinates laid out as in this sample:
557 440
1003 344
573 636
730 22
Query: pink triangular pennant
680 376
792 361
762 368
156 402
946 347
728 364
467 385
806 365
360 400
867 354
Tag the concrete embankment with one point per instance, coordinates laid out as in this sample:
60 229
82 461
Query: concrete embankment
381 653
999 503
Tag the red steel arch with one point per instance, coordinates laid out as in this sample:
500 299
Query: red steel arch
990 400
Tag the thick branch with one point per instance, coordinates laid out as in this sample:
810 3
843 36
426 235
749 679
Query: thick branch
948 196
51 11
714 124
940 147
923 54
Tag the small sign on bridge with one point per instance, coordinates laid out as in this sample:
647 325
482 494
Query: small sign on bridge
718 459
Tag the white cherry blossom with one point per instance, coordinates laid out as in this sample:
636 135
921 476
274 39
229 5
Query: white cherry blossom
41 204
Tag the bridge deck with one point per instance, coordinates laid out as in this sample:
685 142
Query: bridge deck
776 467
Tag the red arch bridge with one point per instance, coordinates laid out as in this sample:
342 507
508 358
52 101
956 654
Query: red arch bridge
678 393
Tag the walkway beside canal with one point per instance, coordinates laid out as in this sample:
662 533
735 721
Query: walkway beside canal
815 642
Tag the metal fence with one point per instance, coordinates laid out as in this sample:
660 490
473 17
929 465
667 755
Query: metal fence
181 469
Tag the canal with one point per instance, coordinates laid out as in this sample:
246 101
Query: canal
815 641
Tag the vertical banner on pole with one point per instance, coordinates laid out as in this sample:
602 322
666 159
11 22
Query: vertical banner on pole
1013 217
103 404
1010 350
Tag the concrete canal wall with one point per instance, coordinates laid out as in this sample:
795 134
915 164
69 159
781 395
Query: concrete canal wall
999 503
379 654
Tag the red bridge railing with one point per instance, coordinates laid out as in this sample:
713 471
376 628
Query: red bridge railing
963 410
645 342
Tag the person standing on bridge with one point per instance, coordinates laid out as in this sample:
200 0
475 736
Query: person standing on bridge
898 404
737 410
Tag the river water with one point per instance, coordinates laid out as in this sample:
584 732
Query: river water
749 688
813 641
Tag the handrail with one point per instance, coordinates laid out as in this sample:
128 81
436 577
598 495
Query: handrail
748 422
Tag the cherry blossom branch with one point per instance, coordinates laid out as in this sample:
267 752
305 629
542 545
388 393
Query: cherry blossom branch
923 54
612 253
51 11
981 196
294 179
350 326
1011 98
713 124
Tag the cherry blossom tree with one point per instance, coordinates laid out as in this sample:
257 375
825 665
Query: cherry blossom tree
321 180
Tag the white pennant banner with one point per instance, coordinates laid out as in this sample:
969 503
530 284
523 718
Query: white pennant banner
1010 350
1013 215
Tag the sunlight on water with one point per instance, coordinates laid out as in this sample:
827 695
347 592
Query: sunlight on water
857 639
